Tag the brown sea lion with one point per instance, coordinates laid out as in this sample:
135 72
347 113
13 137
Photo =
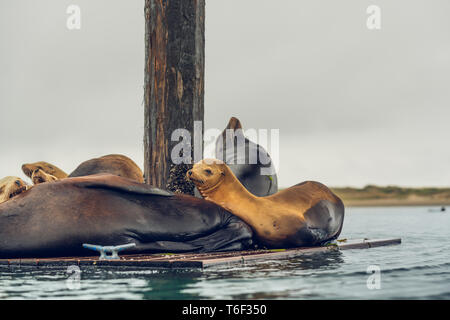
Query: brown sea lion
39 176
306 214
116 164
46 167
10 187
111 210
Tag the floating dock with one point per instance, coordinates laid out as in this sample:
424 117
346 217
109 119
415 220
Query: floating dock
195 260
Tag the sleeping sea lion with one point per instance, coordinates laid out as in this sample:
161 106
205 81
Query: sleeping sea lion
10 187
111 210
116 164
249 174
306 214
46 167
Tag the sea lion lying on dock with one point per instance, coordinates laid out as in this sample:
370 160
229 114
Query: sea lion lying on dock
10 187
111 210
116 164
306 214
249 174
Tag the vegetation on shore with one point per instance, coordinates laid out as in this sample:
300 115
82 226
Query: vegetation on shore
392 195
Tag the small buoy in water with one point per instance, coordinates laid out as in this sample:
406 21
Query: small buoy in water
443 209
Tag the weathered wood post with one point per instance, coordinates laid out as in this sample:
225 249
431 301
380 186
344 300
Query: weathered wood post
174 79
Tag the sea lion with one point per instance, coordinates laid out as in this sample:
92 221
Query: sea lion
46 167
39 176
306 214
249 174
10 187
111 210
116 164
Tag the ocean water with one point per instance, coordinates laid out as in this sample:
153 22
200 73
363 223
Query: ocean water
419 268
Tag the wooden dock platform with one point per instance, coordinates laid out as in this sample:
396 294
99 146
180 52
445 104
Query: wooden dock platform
195 260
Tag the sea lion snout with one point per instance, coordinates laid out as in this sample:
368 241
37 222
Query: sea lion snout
40 176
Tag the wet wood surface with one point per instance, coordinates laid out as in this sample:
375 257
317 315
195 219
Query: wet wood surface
197 260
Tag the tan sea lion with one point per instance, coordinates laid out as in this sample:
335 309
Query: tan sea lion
306 214
253 174
39 176
46 167
115 164
10 187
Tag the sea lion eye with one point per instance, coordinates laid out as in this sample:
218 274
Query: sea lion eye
208 171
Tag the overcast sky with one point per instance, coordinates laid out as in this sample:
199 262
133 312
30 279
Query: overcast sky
354 106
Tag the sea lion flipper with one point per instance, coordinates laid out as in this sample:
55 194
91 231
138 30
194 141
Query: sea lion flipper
112 182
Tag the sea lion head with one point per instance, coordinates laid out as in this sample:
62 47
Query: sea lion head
207 174
10 187
48 168
39 176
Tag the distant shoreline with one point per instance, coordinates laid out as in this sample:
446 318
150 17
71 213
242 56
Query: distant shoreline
375 196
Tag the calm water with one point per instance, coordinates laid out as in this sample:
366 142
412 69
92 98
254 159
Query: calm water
419 268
